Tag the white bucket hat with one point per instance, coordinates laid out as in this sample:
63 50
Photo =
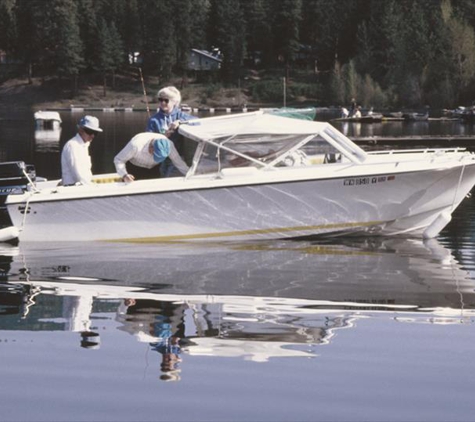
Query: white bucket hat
90 122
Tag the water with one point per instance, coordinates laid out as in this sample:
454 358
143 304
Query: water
18 140
355 329
402 128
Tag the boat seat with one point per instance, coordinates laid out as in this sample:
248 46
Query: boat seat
331 158
296 158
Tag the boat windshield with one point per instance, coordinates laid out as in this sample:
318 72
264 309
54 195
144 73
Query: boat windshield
263 151
266 142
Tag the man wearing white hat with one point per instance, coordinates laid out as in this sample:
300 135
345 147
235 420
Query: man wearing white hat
76 166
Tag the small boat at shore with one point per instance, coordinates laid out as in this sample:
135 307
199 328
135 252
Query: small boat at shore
368 118
255 176
308 113
47 120
47 128
468 116
416 116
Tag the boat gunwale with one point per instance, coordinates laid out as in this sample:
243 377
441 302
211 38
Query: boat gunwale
34 197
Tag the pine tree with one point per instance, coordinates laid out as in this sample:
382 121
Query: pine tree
131 27
69 52
259 33
408 32
159 38
331 29
8 24
110 53
287 15
117 51
229 37
182 25
460 51
88 29
29 45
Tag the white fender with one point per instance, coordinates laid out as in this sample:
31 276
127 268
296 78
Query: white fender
9 233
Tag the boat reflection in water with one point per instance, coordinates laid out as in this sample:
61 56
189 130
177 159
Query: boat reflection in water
47 140
255 301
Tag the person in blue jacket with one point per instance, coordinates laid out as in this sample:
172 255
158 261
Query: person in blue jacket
167 120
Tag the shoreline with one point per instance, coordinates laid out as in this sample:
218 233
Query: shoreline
18 94
137 109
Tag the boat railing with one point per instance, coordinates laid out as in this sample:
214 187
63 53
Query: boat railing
343 144
417 151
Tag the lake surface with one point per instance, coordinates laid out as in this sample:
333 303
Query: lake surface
372 329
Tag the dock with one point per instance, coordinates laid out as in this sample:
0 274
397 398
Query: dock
369 119
460 140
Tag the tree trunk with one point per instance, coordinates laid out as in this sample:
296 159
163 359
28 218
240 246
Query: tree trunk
105 84
30 73
74 85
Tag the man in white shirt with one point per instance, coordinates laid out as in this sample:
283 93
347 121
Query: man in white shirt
76 166
143 154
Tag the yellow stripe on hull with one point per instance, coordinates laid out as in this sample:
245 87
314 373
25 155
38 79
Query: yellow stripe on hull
240 233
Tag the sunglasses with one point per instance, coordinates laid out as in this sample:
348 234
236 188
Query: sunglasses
89 131
164 100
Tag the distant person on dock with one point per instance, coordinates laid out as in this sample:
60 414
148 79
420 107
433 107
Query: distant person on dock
142 155
353 108
167 120
76 166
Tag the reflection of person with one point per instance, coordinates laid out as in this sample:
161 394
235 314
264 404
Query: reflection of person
90 340
165 330
76 166
142 155
169 347
167 120
77 313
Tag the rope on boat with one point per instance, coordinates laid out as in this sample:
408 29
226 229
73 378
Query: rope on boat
25 212
30 181
27 205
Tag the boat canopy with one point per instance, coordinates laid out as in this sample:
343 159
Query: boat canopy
265 141
47 121
296 113
47 115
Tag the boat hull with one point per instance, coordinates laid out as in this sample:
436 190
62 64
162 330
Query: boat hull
221 209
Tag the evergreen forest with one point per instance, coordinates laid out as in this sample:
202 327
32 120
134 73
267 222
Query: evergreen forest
386 53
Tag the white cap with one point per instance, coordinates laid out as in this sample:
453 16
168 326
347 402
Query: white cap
90 122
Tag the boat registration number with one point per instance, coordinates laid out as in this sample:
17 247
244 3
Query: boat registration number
358 181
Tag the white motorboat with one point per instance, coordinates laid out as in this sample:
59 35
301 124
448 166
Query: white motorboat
258 176
47 129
